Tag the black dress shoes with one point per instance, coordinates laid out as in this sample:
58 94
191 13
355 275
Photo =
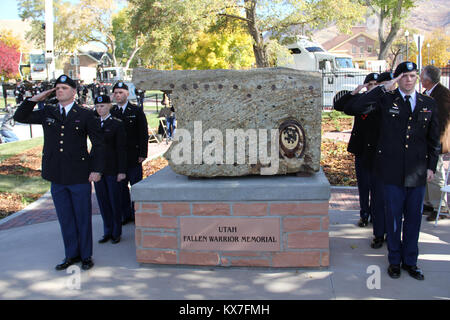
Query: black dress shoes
377 243
427 209
86 264
67 263
115 240
394 271
414 272
104 239
363 222
126 221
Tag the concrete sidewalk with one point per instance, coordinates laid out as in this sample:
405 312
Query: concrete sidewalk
28 255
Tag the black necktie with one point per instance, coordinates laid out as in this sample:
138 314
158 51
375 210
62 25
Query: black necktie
408 103
63 114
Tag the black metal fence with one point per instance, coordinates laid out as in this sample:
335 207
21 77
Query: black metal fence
335 82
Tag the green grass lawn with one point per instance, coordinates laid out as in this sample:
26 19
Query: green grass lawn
23 185
12 148
10 100
27 187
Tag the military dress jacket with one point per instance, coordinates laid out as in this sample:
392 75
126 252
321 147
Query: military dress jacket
365 131
408 141
136 130
115 146
65 156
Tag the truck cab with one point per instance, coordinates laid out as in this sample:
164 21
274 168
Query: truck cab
338 70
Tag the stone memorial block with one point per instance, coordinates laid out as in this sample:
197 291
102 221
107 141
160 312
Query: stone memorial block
263 121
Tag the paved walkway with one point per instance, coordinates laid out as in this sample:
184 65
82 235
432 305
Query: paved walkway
30 246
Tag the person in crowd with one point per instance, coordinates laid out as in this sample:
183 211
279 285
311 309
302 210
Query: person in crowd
170 116
19 92
140 96
136 130
430 78
108 188
68 165
406 155
82 91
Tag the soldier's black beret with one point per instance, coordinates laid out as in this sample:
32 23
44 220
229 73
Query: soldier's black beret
370 77
385 76
120 85
406 66
66 80
102 99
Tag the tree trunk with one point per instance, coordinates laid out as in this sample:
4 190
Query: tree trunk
385 44
136 49
259 49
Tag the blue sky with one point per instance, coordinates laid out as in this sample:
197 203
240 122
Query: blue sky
8 10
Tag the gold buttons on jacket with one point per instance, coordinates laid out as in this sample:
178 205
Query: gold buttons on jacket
406 146
61 150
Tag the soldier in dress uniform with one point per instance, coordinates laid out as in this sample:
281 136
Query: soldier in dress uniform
68 165
357 144
108 188
406 156
136 130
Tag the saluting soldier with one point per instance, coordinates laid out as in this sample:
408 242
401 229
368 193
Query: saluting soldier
357 144
68 165
407 154
108 188
136 130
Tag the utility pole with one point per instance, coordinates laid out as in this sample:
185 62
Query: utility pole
49 54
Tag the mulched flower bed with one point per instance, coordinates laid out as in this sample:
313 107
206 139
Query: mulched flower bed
337 164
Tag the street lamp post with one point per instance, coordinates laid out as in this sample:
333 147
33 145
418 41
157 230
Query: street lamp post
406 35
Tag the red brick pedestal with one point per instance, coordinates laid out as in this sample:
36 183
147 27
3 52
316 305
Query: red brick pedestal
271 232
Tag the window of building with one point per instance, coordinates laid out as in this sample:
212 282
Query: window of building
361 39
369 49
353 49
71 74
361 49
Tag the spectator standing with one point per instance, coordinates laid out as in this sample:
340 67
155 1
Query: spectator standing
430 78
6 129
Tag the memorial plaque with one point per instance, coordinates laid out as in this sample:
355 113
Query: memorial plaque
230 234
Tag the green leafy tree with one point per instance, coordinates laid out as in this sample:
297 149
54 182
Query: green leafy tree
171 25
391 15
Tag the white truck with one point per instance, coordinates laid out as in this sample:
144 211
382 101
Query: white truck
110 75
338 71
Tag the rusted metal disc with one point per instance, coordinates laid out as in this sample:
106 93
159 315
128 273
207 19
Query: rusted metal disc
292 139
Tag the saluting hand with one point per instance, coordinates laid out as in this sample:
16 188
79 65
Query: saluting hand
94 177
359 88
389 85
430 175
42 96
121 176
